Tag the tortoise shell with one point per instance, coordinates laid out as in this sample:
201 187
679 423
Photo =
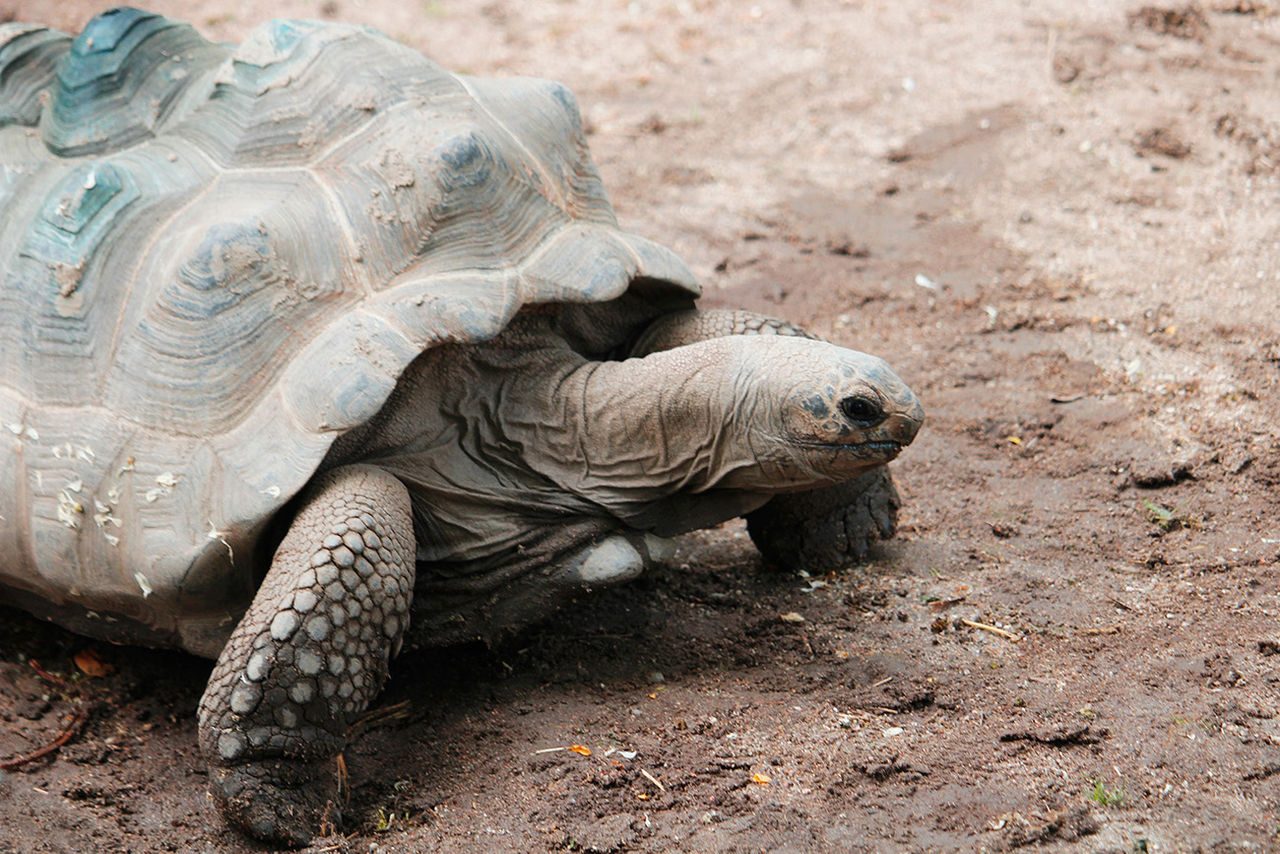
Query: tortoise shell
217 259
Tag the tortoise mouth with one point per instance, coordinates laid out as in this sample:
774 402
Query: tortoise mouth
882 450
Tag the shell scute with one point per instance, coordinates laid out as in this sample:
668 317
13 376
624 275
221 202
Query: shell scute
237 300
124 76
294 89
543 120
29 57
54 334
104 33
278 52
71 242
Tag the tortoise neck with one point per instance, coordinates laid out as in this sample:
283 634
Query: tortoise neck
625 435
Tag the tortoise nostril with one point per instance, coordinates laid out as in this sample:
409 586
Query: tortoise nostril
862 411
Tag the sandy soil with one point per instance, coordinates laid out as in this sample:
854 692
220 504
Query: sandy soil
1059 221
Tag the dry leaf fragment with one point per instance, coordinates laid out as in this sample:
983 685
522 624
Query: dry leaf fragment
580 749
760 779
791 617
91 664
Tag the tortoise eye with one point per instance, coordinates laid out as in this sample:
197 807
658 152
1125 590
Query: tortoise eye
862 411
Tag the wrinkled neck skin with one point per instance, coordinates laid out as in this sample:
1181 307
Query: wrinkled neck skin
655 441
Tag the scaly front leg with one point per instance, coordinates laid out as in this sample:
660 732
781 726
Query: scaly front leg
309 656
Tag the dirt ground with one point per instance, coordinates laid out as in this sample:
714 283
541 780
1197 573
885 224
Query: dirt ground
1059 222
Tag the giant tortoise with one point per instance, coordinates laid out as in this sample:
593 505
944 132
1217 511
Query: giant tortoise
305 339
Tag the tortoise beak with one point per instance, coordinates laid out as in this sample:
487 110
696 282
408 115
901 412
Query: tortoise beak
902 426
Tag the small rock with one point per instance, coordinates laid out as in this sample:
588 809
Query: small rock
1065 69
1161 141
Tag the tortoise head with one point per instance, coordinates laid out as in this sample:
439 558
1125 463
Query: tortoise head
812 413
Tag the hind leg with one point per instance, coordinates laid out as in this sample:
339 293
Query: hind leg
827 529
309 656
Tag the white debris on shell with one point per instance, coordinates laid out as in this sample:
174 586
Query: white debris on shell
272 491
67 450
221 536
166 482
69 510
103 518
20 431
143 584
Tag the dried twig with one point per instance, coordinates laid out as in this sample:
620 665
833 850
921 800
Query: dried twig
344 779
985 627
380 715
77 723
652 779
56 681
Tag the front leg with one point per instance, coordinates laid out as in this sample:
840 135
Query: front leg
824 529
309 656
827 529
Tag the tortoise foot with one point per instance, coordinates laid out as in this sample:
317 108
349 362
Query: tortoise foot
280 801
827 529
